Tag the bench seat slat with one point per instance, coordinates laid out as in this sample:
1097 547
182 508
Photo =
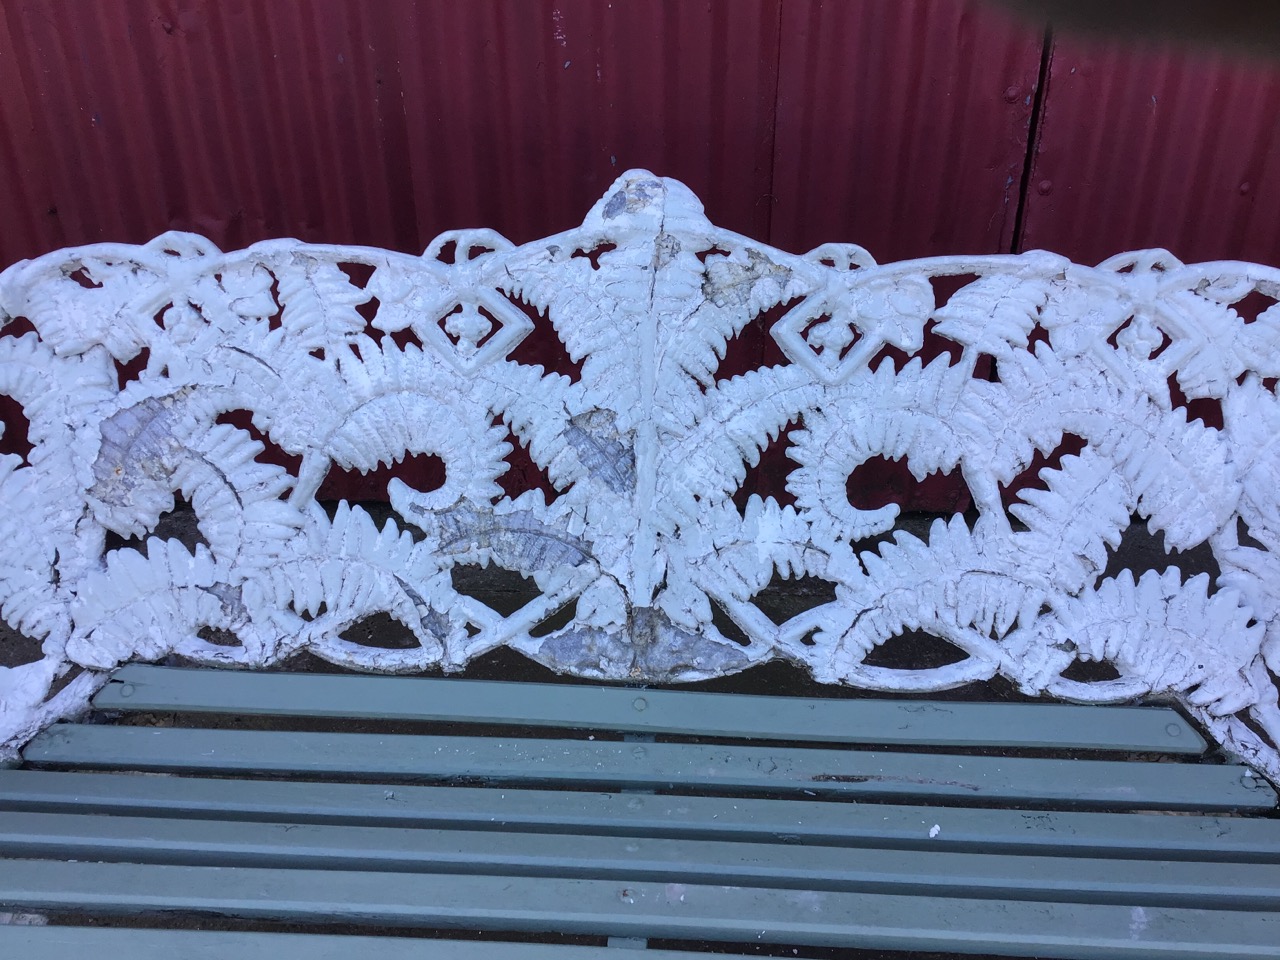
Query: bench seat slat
1049 832
889 722
715 768
659 911
313 846
59 943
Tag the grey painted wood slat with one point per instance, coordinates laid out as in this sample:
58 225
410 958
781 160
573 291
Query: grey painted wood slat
1039 725
1047 832
1232 886
667 911
714 768
59 943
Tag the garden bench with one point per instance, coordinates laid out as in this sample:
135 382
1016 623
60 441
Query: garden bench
186 778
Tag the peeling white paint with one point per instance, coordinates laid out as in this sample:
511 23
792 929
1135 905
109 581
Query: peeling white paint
1138 922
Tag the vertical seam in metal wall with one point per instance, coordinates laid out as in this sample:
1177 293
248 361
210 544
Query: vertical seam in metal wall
772 195
1033 141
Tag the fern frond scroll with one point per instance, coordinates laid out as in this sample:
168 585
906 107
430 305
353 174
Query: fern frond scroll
647 535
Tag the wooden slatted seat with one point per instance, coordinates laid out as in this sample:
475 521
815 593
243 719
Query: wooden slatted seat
556 817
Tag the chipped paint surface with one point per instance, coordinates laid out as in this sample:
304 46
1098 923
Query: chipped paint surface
642 550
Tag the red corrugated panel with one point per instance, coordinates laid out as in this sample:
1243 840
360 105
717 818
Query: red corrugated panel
377 123
902 126
1156 148
551 101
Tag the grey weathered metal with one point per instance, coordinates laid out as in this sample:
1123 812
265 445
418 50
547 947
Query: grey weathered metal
646 451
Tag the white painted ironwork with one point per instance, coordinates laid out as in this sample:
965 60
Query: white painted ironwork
646 451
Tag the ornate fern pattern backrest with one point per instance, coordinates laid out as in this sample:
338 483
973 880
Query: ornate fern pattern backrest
646 449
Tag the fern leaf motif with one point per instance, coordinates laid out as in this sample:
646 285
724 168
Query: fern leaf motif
1084 407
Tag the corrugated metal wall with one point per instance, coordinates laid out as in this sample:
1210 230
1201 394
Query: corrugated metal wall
378 123
1150 148
899 124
